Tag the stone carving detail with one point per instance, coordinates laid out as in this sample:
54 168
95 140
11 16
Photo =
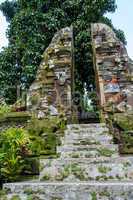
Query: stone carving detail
114 69
49 91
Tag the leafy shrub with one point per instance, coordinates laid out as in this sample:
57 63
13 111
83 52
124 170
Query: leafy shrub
14 146
47 125
4 108
45 133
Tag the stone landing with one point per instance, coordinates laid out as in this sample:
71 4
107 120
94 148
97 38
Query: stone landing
89 168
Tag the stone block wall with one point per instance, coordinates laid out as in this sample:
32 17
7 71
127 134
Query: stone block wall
113 68
52 89
14 120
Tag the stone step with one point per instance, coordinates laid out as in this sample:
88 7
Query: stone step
73 148
75 170
88 151
89 154
71 191
89 131
84 126
61 162
87 140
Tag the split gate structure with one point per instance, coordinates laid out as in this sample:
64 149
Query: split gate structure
53 87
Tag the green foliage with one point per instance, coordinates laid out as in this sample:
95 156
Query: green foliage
48 125
31 30
33 197
94 196
3 195
9 75
9 9
105 152
17 146
126 142
45 134
128 139
83 57
124 121
119 33
104 169
4 109
15 197
14 145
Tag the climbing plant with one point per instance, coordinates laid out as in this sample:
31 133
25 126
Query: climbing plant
32 26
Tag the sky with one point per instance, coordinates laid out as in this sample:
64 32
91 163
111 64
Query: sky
122 19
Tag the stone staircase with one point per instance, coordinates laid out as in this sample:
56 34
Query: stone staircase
89 168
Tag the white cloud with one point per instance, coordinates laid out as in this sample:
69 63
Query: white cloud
3 27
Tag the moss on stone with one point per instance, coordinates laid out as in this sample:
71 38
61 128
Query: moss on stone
28 191
3 195
125 121
94 196
46 177
104 169
64 173
104 193
15 197
15 116
75 155
105 152
56 198
33 197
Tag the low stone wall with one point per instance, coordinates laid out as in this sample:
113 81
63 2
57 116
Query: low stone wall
16 120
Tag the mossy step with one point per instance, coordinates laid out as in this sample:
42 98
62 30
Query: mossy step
84 148
95 125
65 161
87 140
71 191
89 154
89 131
15 116
83 171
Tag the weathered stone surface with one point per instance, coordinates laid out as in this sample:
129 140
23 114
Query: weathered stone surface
114 69
89 166
52 86
73 191
102 176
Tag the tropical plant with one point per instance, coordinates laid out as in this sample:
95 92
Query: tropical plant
4 108
45 134
14 146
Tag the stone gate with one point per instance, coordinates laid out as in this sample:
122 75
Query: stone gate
51 92
113 70
54 84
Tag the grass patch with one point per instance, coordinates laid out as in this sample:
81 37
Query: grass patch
105 152
104 169
15 197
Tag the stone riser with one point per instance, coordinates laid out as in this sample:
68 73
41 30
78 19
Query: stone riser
47 162
74 140
87 172
73 191
91 132
86 154
67 148
84 126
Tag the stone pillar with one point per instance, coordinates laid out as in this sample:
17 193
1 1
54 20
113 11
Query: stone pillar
113 67
51 91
